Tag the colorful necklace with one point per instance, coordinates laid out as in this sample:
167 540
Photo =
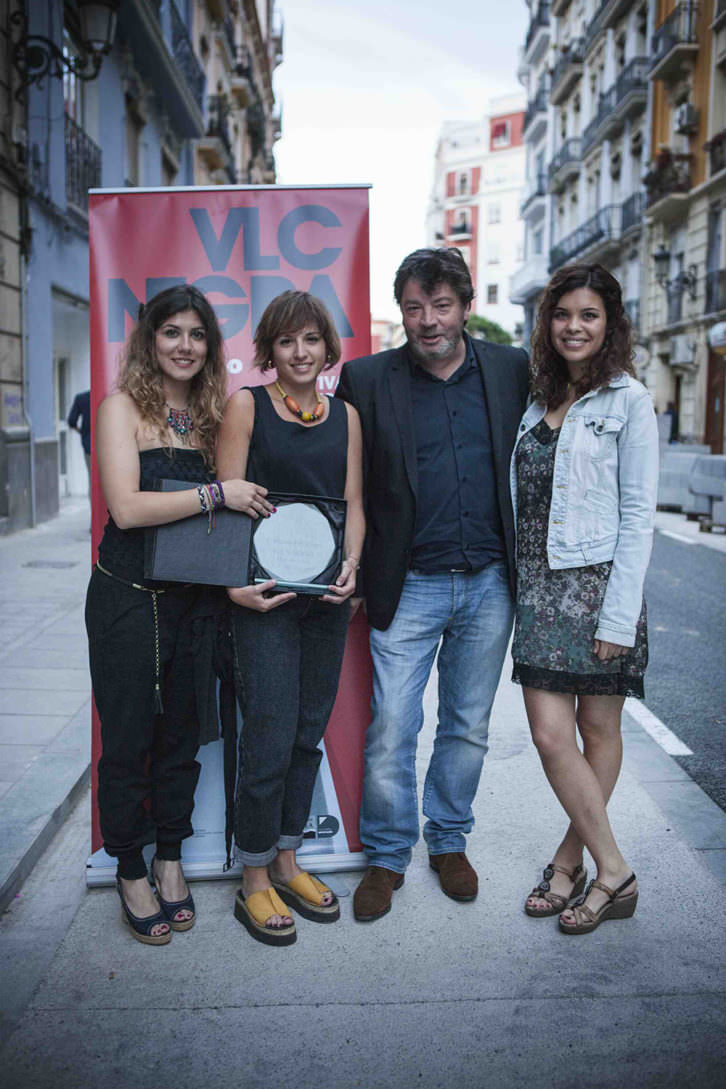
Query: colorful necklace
179 421
292 406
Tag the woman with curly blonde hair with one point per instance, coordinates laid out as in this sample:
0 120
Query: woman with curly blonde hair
584 476
160 423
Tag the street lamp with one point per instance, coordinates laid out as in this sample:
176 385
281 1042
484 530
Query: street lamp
35 56
685 281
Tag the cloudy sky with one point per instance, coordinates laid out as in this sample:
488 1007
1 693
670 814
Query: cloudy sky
365 86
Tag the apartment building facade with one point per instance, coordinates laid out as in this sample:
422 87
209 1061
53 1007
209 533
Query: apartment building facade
183 97
477 188
626 150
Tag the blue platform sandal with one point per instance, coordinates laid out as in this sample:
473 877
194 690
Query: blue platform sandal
171 908
141 928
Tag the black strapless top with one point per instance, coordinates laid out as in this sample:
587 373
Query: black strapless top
122 550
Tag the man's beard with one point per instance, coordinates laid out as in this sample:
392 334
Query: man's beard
444 350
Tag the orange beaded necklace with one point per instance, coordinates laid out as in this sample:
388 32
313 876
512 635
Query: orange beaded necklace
292 406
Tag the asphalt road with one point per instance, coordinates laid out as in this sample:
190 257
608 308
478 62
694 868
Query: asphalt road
685 685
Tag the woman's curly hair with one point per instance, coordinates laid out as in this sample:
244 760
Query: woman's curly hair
549 375
141 377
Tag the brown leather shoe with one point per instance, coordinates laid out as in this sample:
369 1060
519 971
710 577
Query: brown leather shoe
373 896
457 875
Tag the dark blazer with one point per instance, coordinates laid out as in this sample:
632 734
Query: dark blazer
379 387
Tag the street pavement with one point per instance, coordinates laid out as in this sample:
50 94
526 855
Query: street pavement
436 994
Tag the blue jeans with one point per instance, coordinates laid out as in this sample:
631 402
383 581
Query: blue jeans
470 617
287 665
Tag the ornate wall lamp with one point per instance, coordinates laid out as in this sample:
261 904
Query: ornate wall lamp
686 281
35 57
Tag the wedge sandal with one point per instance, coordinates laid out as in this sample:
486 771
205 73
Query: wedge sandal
617 906
254 911
141 928
557 903
171 908
304 894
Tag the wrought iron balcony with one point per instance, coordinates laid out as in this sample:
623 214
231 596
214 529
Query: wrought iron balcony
597 25
631 216
632 309
83 164
183 52
716 148
715 290
218 124
567 71
228 27
565 162
719 15
539 21
602 227
538 188
674 40
536 105
670 175
604 123
461 230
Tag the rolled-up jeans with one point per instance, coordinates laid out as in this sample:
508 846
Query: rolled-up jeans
469 617
287 665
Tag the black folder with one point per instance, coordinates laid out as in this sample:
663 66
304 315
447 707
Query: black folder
185 551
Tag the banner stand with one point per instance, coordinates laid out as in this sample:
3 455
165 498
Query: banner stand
242 246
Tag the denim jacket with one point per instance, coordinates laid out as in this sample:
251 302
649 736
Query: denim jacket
604 488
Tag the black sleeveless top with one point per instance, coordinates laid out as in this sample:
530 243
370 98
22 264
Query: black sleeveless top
286 456
122 550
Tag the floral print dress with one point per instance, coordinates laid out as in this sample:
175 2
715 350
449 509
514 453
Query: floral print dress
557 611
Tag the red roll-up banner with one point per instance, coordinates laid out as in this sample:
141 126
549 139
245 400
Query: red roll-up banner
241 246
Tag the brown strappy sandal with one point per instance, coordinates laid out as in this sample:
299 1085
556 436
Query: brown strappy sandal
557 903
616 906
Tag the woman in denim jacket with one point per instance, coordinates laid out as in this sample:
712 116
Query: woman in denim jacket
584 476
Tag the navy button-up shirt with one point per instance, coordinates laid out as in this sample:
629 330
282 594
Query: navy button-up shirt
457 517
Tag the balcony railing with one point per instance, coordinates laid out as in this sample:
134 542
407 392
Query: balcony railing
568 69
669 174
719 14
716 148
183 51
601 227
596 25
677 29
228 27
83 164
541 18
715 290
538 188
605 107
633 77
632 213
632 308
460 229
570 152
536 105
218 120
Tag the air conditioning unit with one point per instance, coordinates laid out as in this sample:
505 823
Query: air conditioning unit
681 351
686 119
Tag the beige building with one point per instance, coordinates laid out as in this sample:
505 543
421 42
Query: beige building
239 43
685 183
626 159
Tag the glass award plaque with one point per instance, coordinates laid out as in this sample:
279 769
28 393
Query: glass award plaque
300 545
